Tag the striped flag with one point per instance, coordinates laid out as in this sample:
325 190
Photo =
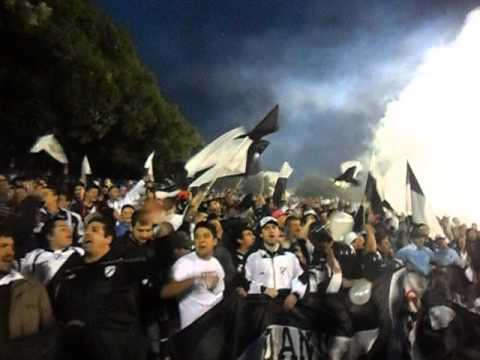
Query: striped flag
417 205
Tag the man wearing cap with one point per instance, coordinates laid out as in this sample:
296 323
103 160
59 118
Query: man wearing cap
274 281
272 271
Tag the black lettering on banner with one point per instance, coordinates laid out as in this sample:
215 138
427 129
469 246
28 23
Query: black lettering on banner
306 344
268 348
287 346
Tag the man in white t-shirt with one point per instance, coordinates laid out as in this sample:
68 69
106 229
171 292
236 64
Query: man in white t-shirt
197 278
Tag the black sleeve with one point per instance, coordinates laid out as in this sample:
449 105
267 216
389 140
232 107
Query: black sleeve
372 266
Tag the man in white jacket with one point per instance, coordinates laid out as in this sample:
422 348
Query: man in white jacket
273 271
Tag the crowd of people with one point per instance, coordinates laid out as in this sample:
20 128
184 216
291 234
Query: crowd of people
134 270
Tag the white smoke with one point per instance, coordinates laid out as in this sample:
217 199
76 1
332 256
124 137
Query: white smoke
435 124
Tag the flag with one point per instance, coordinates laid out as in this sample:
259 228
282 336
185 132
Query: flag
268 125
229 161
208 156
86 170
51 146
281 184
372 196
149 165
234 153
417 206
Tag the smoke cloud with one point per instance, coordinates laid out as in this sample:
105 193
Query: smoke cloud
435 124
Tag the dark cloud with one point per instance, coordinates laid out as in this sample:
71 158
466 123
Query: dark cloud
332 66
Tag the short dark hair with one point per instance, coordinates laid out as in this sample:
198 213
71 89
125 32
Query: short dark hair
52 188
416 232
79 184
49 225
141 216
291 218
113 187
93 186
180 240
108 227
208 226
66 193
6 228
127 206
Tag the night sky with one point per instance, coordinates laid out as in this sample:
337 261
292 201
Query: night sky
331 65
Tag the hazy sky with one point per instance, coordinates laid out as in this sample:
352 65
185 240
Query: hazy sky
331 65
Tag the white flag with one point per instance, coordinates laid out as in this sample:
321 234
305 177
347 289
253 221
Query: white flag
285 171
86 169
51 146
229 161
209 155
149 164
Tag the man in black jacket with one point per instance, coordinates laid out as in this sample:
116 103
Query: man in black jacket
97 302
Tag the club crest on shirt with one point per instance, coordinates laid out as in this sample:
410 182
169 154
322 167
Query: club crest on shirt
110 271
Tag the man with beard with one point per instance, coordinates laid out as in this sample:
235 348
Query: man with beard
26 320
97 302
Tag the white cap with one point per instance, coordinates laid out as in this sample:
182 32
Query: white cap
310 212
350 237
266 220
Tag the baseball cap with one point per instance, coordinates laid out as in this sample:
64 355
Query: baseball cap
267 220
350 237
279 213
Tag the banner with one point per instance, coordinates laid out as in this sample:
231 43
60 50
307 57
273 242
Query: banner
283 342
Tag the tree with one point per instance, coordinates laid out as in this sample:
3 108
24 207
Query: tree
67 69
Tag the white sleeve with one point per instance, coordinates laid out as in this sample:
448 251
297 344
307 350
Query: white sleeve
182 270
26 263
297 285
254 287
